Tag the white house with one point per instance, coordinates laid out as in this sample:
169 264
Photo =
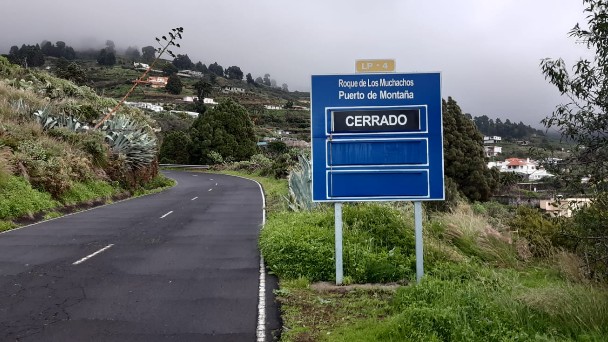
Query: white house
273 107
209 101
145 105
192 114
492 151
190 98
491 140
232 89
141 65
525 167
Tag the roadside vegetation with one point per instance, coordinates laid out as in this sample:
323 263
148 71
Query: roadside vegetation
52 162
492 273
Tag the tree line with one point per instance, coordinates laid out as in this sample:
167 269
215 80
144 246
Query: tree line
507 129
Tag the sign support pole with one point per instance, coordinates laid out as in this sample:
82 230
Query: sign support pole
338 234
419 245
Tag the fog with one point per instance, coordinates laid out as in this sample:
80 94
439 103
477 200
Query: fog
487 51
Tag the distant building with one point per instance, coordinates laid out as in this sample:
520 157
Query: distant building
492 151
232 89
273 107
524 167
144 105
192 114
563 207
157 81
190 73
143 66
190 98
209 101
491 140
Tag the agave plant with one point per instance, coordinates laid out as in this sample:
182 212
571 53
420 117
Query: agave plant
48 121
300 190
129 139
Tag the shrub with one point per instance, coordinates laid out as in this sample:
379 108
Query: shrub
18 198
301 244
87 191
589 232
539 231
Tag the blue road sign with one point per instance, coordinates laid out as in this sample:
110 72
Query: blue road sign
377 137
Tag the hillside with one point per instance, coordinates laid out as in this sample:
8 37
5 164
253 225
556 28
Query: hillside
49 156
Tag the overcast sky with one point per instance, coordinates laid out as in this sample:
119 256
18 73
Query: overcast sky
487 50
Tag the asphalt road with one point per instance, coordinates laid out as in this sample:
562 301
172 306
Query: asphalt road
182 265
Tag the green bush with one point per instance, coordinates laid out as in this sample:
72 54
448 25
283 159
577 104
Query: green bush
18 198
376 244
588 234
539 231
383 223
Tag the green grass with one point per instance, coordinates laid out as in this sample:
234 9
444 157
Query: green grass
275 190
7 225
158 184
87 191
18 198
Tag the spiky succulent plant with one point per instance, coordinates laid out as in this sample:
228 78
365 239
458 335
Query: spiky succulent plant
129 139
300 191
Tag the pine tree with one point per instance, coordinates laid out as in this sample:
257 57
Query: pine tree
464 158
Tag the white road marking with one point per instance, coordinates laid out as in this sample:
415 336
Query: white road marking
92 255
210 189
215 184
194 198
194 175
210 178
167 214
261 328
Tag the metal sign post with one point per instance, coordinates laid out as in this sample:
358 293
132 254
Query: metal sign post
419 244
338 234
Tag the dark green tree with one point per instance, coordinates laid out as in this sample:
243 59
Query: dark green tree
259 80
174 84
464 159
203 89
175 148
200 67
169 69
132 53
71 71
267 80
107 58
234 73
216 69
249 79
225 129
27 55
183 62
148 54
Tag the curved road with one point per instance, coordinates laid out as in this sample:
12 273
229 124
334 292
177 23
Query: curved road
182 265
